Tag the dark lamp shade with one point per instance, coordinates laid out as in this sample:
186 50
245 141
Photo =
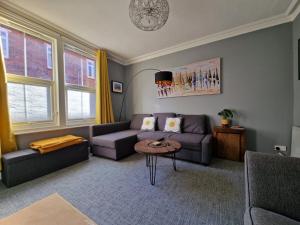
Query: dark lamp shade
163 76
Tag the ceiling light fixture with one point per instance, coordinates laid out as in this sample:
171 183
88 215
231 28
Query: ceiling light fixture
149 15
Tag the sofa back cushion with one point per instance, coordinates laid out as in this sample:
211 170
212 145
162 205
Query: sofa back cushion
137 121
194 124
161 119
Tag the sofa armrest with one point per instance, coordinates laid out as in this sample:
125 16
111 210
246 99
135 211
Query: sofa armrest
273 183
102 129
207 149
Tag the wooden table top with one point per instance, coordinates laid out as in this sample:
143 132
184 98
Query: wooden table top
144 147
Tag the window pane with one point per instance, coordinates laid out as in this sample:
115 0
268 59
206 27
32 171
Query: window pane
29 103
81 105
4 40
37 52
33 62
14 62
91 68
76 69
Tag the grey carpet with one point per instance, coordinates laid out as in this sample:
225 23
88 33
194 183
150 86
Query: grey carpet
119 193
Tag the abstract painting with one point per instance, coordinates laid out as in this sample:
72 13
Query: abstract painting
200 78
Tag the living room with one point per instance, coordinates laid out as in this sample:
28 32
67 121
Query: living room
150 112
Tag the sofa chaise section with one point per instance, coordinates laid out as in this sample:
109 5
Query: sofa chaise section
272 189
114 141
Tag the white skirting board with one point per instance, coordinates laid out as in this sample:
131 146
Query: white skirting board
296 142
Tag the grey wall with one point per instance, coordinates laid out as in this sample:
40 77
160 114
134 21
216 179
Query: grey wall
116 72
296 36
257 82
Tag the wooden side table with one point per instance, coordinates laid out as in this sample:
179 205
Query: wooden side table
230 143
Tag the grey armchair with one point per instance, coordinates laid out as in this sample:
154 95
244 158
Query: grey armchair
272 189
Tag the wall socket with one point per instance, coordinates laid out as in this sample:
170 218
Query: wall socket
282 148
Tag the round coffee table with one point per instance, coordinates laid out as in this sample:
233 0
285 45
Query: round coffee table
167 147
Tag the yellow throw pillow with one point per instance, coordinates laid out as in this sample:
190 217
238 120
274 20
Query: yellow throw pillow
148 124
173 125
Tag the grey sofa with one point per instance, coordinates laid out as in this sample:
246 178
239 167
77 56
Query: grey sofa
117 140
272 189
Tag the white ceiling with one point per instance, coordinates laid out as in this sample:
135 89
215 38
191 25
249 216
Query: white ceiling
106 23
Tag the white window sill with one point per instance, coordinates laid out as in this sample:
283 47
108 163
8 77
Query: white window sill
38 130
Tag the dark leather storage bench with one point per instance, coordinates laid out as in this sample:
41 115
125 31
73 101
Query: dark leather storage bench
24 165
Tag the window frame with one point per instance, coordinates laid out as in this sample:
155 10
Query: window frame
52 84
88 63
90 54
6 54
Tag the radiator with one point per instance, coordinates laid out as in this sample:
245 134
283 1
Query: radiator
296 142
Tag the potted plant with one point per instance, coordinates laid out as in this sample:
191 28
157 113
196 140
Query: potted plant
226 116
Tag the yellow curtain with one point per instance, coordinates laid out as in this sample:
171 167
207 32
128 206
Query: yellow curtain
104 112
7 138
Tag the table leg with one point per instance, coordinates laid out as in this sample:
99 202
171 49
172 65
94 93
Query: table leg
152 168
147 160
174 161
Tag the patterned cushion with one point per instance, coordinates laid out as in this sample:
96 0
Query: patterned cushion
173 125
148 124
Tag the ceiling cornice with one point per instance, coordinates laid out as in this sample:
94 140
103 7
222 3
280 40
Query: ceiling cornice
288 16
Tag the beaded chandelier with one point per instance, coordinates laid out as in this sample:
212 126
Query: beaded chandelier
149 15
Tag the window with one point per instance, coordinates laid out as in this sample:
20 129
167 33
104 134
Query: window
49 56
91 70
80 89
5 42
29 103
31 83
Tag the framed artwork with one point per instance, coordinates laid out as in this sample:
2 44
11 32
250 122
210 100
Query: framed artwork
200 78
116 87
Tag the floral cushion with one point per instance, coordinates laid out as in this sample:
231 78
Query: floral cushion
173 125
148 123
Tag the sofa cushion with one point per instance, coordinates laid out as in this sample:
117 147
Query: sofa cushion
148 124
194 124
188 140
161 119
173 125
258 216
153 135
137 121
110 140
